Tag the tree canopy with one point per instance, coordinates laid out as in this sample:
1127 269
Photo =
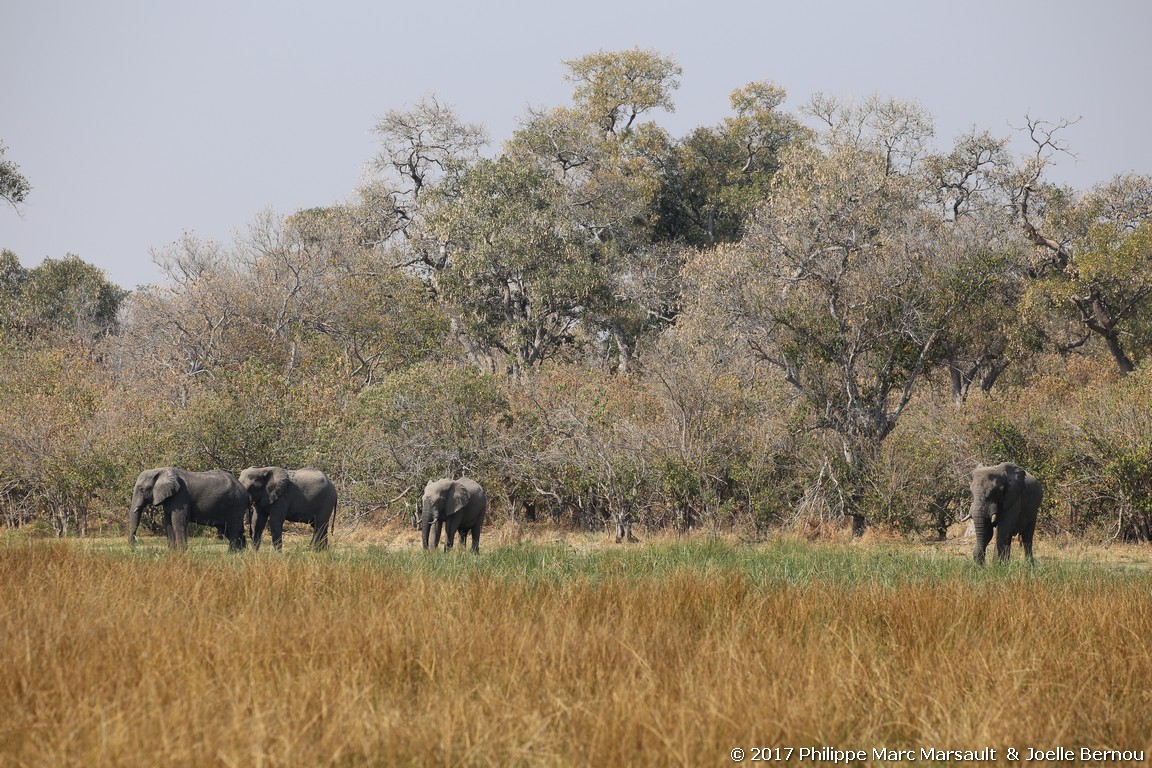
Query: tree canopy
789 315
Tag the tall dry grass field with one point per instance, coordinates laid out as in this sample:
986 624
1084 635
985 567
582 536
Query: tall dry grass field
544 656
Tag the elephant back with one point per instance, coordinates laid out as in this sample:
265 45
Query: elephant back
217 488
474 489
314 485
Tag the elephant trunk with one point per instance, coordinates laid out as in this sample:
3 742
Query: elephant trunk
982 520
134 523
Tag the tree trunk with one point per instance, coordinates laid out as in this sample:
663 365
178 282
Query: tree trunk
1118 354
625 352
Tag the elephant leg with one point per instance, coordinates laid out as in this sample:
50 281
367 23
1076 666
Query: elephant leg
1003 542
475 529
234 532
276 527
320 534
180 528
258 530
437 526
1026 541
169 531
452 527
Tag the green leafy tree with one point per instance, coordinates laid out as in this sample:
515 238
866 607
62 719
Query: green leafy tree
14 186
523 274
615 88
838 285
58 298
1094 251
607 157
717 176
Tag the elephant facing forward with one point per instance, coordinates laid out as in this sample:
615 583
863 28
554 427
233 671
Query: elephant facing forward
206 498
460 505
296 495
1005 498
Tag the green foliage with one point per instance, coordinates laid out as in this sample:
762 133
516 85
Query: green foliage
523 274
717 177
57 297
14 186
257 416
617 87
1098 282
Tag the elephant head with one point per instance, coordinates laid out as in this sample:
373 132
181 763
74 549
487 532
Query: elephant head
265 485
153 486
995 489
445 498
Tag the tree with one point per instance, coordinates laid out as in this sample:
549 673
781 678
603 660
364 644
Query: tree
425 421
14 186
607 163
70 440
973 201
717 176
296 290
837 284
186 327
425 147
319 289
65 297
523 275
615 87
1094 251
13 276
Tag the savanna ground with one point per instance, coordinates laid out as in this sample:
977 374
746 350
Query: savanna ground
558 650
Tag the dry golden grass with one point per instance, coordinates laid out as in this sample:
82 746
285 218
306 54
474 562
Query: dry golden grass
545 655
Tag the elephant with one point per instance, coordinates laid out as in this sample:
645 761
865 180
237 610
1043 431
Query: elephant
297 495
458 504
212 498
1007 498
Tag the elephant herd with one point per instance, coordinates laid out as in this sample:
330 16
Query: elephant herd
269 496
1005 500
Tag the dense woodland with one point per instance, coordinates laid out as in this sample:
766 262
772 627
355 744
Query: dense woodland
813 318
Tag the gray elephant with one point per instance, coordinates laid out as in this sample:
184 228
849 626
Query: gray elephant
458 504
296 495
212 498
1007 498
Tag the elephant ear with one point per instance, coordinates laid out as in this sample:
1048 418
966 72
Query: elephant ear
277 484
1014 477
460 497
166 485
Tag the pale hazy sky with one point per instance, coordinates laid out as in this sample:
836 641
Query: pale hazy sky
136 121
